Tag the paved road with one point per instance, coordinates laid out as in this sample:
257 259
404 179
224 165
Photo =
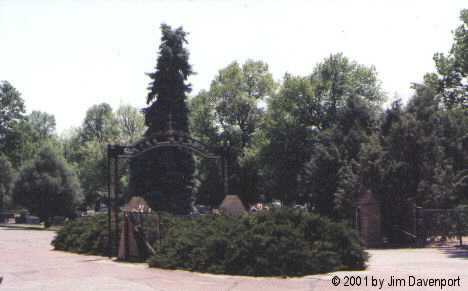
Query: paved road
28 263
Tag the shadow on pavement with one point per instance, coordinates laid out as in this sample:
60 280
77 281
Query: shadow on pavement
24 227
455 251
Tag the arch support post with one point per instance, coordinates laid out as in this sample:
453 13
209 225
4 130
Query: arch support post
160 140
109 195
113 152
225 167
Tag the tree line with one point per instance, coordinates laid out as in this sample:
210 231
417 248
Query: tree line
320 139
324 138
51 174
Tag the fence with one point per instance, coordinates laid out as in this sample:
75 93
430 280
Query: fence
433 225
421 226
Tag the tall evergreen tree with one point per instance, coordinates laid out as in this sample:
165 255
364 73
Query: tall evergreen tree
164 176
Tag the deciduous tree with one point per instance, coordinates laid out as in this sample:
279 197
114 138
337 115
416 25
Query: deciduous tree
11 107
452 69
131 123
99 124
7 177
43 123
47 187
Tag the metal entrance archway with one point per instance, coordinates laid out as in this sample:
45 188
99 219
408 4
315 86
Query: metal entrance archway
170 138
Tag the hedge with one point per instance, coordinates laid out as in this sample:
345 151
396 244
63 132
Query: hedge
275 243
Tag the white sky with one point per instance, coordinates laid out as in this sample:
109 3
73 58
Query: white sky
64 56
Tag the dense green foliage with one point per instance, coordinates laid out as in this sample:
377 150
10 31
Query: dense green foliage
164 176
451 80
417 164
7 177
230 114
86 235
279 243
11 120
11 108
320 139
131 124
85 147
42 123
89 235
47 187
99 124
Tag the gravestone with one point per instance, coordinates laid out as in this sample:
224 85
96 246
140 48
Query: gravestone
232 206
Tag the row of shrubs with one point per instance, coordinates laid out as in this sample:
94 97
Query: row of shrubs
85 235
275 243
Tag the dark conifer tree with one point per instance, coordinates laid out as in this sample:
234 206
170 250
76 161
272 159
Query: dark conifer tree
164 176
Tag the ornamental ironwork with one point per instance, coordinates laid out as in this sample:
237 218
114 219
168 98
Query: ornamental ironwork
169 138
160 140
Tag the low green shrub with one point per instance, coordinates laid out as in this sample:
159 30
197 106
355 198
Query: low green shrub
275 243
89 235
85 235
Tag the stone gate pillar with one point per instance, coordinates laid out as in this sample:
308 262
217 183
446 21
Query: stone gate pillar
368 220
